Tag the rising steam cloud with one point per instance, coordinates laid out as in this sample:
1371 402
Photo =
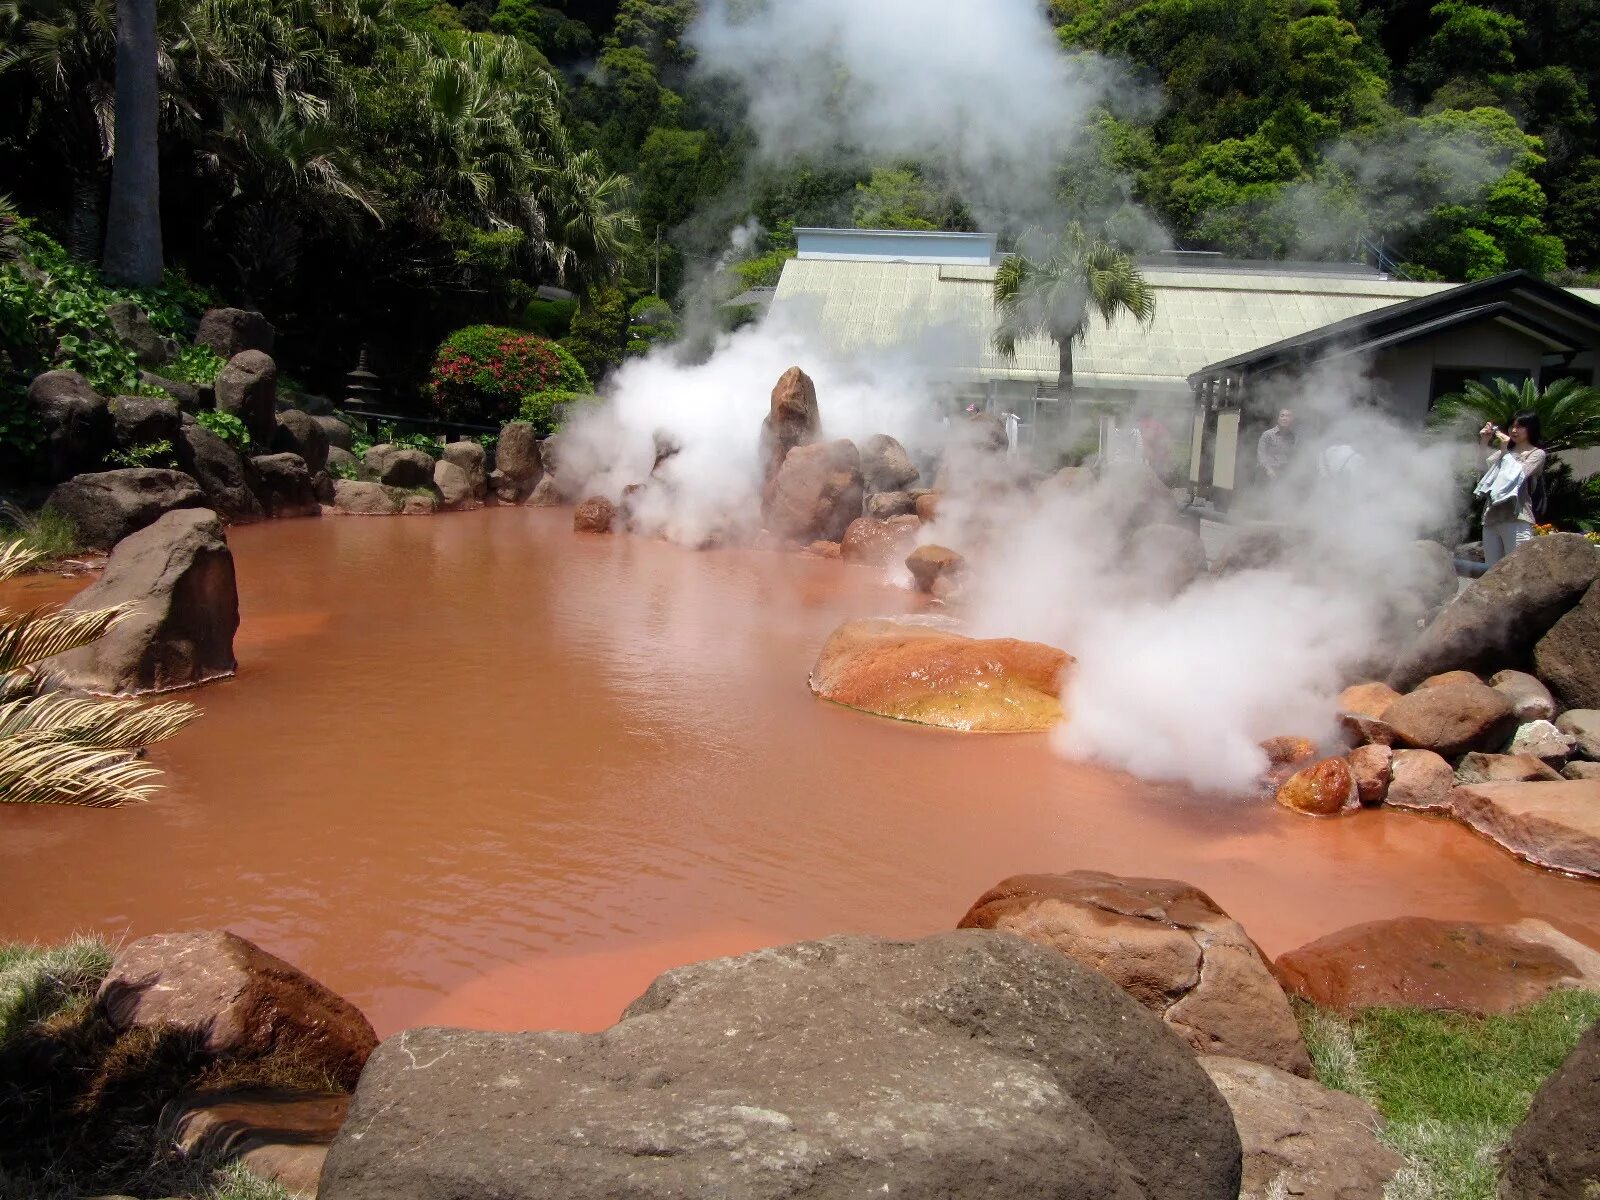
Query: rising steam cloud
981 91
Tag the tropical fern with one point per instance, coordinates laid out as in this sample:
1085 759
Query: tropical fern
1568 410
58 749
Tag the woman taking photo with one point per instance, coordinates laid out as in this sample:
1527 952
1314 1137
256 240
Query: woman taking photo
1508 487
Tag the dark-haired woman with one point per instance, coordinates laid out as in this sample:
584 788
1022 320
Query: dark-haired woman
1516 462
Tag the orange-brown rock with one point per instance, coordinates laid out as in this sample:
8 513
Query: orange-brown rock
1287 751
1451 718
1168 945
276 1135
824 549
927 506
1368 699
1478 767
815 493
1421 780
1446 678
1370 765
932 676
1365 731
928 564
878 543
792 420
594 515
1553 825
1323 789
1420 962
238 999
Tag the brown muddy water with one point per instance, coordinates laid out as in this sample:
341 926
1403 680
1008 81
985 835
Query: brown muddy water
478 769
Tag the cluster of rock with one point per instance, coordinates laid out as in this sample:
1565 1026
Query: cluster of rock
298 464
1030 1052
1513 753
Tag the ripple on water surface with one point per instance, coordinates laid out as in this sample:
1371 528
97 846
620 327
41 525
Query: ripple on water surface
479 769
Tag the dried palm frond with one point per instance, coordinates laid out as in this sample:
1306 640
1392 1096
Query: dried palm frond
46 770
16 557
27 638
99 724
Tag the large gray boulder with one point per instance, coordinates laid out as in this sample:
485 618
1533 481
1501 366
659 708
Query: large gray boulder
75 421
400 466
364 498
971 1064
301 433
131 326
1496 621
247 387
1555 1153
470 457
106 506
344 465
1568 657
144 421
284 485
229 331
815 493
337 432
518 462
885 465
452 484
222 473
177 575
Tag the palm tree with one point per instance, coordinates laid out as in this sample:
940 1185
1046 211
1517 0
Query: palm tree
58 749
1054 293
133 219
1568 409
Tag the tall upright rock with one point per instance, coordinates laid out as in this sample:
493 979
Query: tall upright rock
792 420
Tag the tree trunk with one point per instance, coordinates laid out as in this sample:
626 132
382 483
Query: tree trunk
133 221
1064 371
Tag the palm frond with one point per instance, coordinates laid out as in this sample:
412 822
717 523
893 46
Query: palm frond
100 724
43 770
27 638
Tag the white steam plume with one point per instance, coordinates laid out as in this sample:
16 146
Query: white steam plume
1185 686
981 90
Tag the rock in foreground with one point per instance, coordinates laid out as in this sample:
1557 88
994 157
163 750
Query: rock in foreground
178 576
1301 1139
1419 962
931 676
967 1064
1555 1152
237 999
1168 945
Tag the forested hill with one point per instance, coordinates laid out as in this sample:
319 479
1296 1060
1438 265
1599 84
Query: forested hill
382 170
1359 109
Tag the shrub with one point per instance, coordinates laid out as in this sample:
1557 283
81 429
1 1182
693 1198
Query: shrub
195 364
547 411
549 318
227 427
150 454
483 371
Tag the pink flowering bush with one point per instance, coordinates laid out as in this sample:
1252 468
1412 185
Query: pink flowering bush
482 372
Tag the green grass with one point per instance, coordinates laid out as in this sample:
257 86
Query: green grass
80 1103
1451 1087
47 531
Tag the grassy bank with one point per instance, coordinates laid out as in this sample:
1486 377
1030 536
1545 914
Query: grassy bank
79 1103
1451 1087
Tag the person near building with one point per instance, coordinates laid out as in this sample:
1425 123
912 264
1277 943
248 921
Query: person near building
1512 489
1276 448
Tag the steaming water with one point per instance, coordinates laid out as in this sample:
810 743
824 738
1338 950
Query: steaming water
478 769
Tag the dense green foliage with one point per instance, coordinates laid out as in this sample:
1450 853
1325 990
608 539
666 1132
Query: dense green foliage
227 427
1451 1087
378 172
482 372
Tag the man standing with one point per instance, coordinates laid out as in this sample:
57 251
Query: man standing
1277 446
